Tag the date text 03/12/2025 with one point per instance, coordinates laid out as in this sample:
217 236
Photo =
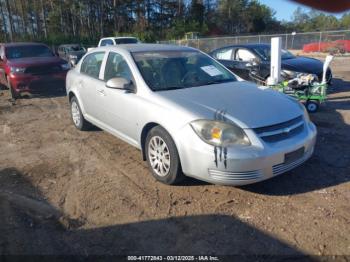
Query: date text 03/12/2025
173 258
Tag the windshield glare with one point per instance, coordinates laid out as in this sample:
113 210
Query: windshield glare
265 53
166 70
15 52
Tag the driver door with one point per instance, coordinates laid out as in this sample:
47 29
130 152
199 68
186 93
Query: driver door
243 57
120 107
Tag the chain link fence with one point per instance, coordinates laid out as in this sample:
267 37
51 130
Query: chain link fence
293 41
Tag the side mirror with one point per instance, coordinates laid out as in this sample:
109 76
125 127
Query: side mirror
73 62
120 83
253 62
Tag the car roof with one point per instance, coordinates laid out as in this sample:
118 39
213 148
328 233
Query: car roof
23 44
146 47
118 37
251 45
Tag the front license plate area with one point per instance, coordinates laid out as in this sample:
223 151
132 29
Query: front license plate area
293 156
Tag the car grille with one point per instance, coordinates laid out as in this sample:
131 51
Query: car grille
43 70
281 131
234 176
282 168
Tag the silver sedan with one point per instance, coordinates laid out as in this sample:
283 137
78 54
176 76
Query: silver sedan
189 115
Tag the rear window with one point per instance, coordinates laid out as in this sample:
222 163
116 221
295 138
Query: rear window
75 48
15 52
119 41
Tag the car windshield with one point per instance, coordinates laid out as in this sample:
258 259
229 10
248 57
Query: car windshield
119 41
75 48
166 70
15 52
265 53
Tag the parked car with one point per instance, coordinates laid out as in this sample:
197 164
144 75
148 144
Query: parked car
189 115
239 58
118 41
72 53
31 68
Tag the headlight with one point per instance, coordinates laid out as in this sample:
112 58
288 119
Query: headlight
65 66
218 133
73 56
17 69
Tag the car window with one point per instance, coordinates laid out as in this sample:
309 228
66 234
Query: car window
224 54
107 42
75 48
264 52
116 66
91 65
24 51
119 41
244 55
166 70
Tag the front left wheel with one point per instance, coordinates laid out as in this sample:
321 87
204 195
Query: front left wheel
162 156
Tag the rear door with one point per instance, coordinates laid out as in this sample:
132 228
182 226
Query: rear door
90 83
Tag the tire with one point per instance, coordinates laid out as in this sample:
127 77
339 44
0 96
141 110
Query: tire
13 94
312 106
77 116
163 161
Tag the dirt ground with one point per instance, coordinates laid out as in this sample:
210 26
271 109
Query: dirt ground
63 191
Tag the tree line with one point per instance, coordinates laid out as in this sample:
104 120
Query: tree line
85 21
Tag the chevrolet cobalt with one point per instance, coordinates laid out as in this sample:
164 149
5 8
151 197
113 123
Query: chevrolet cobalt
189 115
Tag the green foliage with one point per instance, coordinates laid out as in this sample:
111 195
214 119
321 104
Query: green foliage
314 21
85 21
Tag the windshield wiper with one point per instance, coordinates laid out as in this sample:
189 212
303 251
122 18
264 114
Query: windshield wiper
218 82
171 88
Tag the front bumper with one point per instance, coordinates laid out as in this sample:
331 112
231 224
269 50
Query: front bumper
242 165
28 83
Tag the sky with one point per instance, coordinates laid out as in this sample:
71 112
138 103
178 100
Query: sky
284 8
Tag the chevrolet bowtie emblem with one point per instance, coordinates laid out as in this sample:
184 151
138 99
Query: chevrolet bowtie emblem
286 130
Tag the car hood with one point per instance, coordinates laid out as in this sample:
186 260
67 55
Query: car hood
303 64
35 61
240 102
